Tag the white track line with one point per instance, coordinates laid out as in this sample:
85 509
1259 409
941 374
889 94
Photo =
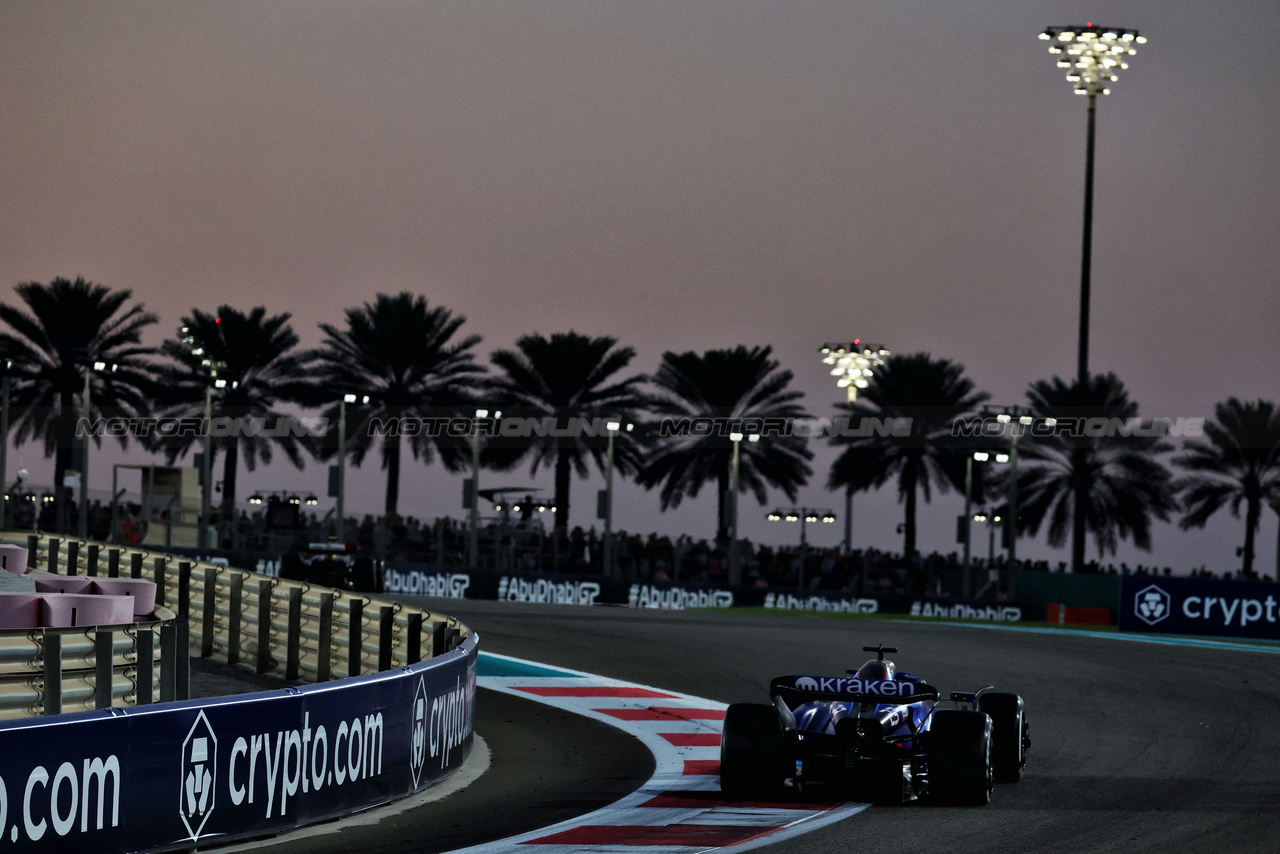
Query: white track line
679 810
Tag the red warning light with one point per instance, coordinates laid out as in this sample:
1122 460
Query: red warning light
857 342
217 320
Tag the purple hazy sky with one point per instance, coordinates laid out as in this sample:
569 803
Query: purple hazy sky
681 175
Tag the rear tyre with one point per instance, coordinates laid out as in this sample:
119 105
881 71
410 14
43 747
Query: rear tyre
1008 728
752 752
960 758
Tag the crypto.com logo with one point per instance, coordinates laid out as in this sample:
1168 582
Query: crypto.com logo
1151 604
418 743
199 776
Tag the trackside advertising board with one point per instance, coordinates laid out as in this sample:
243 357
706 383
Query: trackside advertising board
559 589
1200 606
172 775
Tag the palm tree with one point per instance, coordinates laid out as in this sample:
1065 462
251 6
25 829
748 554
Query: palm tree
252 358
1107 485
403 355
566 376
735 388
72 325
1239 463
933 394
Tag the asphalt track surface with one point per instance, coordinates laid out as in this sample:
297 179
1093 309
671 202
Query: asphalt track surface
1137 747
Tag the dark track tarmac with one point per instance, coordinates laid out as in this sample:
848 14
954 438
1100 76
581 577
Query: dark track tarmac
532 781
1138 747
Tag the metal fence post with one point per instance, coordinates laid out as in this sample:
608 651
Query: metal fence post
209 612
264 625
323 663
73 557
236 582
184 588
386 636
437 638
160 566
135 565
33 549
145 641
52 652
54 545
169 661
102 661
92 560
355 636
113 563
414 641
294 646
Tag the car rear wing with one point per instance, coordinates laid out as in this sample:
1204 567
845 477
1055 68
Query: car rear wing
965 698
847 691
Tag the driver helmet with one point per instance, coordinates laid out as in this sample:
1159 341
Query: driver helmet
878 671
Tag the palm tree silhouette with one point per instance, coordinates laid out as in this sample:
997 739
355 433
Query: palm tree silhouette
1238 464
256 358
71 325
1107 485
932 394
403 355
567 375
740 384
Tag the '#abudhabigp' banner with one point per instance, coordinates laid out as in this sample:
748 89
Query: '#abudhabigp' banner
172 775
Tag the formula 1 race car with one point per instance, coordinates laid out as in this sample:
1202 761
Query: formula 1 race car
875 734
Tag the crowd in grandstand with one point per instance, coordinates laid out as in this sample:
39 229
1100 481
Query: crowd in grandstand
525 545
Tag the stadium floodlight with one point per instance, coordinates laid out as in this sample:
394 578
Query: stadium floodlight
1091 55
853 364
803 515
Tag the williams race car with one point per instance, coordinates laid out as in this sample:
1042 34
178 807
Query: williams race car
875 734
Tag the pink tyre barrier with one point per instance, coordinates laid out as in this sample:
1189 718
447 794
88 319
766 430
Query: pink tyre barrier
13 558
143 592
62 610
20 610
49 582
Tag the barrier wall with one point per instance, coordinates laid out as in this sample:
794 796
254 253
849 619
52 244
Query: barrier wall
167 776
1200 606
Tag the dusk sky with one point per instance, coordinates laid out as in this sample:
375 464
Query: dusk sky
681 175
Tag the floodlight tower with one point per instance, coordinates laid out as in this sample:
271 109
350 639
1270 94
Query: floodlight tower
1092 56
853 364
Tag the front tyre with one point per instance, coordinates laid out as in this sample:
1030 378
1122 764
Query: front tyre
752 752
1008 734
960 769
